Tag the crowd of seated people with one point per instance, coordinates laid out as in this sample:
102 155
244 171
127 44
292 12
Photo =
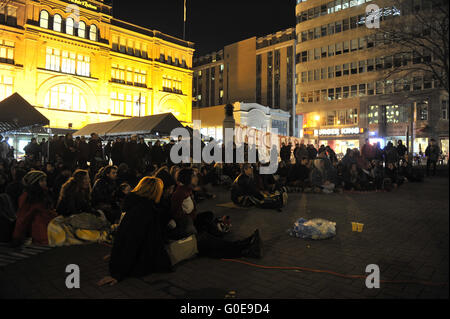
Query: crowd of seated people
132 195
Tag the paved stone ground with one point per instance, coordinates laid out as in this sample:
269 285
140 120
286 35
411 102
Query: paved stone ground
406 233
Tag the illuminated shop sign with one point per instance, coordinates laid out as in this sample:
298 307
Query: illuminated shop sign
337 131
84 4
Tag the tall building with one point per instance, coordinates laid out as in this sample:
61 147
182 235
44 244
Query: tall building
343 94
255 70
77 64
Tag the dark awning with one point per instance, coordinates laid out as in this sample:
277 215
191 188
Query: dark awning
163 124
16 114
100 128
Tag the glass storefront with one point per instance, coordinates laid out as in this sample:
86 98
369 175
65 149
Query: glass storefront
340 146
444 147
420 145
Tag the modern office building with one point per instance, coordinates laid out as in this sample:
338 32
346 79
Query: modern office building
77 64
343 94
255 70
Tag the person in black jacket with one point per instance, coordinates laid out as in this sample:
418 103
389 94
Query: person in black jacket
104 193
138 248
117 152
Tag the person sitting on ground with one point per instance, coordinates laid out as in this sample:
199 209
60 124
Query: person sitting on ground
16 187
318 178
391 174
104 193
245 192
184 209
35 210
139 247
75 196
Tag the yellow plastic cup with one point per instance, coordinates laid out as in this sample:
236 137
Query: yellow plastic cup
355 227
360 228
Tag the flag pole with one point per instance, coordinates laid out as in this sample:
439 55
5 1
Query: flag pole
184 21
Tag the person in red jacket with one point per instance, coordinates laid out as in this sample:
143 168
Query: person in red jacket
35 210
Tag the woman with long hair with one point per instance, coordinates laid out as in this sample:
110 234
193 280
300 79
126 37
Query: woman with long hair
75 195
35 210
138 248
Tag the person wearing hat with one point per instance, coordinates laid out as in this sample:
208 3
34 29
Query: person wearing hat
35 210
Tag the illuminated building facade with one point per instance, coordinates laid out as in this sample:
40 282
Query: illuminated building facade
258 70
341 67
78 65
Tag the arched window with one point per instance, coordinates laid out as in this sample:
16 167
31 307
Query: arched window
65 97
43 21
82 29
57 23
69 26
93 33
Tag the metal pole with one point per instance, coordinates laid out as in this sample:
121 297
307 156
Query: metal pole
184 21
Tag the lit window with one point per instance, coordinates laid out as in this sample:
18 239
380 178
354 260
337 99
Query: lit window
53 60
65 97
6 87
6 52
57 23
82 29
93 33
43 21
69 26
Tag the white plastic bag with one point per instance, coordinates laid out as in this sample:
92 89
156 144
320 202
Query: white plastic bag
315 229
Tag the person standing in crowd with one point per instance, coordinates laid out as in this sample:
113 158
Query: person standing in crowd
83 153
131 153
157 154
368 151
95 150
70 152
4 148
312 152
142 154
33 150
432 153
117 153
44 150
107 151
390 154
401 150
35 210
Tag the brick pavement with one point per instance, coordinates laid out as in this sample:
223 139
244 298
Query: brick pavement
406 234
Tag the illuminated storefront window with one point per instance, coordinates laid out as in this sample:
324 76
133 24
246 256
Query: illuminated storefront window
6 87
65 97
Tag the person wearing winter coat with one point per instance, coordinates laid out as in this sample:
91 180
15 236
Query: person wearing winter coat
104 193
432 153
319 179
35 210
139 246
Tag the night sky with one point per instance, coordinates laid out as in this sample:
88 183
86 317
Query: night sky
210 24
